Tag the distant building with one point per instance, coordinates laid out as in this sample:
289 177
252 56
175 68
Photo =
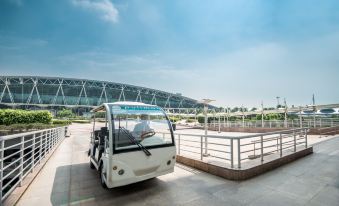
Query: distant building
54 93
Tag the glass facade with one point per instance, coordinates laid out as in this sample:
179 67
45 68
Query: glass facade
54 91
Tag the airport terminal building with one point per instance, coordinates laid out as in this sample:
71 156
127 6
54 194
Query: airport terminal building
33 92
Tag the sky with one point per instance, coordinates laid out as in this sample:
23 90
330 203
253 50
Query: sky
237 52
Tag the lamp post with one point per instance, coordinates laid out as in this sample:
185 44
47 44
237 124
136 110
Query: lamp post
278 102
262 114
206 102
285 123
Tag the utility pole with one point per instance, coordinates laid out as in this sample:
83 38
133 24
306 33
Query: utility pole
206 102
285 113
262 114
314 110
243 116
278 102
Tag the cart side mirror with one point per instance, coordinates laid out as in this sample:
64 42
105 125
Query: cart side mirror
96 142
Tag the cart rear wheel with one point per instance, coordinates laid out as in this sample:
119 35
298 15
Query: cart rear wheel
102 180
91 165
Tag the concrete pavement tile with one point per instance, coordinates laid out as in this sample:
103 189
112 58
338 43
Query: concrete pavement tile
277 199
300 189
328 196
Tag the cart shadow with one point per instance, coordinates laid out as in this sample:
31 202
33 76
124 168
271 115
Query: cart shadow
78 184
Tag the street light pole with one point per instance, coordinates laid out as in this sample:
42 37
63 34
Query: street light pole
278 103
285 113
262 114
206 102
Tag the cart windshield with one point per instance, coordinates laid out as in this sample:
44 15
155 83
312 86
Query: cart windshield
137 127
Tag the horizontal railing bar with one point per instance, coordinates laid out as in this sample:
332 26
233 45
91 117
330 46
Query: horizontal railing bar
10 190
190 151
4 168
11 155
227 145
209 149
9 182
10 147
32 147
184 140
28 133
189 146
220 157
11 172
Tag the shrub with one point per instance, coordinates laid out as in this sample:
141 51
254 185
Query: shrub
201 119
65 113
61 121
190 120
81 121
174 119
22 127
12 116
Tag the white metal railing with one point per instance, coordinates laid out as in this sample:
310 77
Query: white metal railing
20 153
328 131
318 123
232 151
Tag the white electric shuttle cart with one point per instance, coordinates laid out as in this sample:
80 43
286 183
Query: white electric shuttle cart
131 142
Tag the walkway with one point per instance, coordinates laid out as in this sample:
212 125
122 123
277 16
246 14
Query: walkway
67 180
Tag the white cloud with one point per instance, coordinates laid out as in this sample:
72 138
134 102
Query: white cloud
104 8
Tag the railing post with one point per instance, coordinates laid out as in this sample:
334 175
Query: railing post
53 138
262 147
40 149
50 141
1 166
295 141
281 145
46 144
231 152
239 154
219 124
305 138
21 160
201 148
179 144
33 151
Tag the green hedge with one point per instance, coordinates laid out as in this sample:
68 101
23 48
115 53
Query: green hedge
14 116
61 121
27 127
81 121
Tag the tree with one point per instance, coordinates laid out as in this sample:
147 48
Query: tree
235 109
65 113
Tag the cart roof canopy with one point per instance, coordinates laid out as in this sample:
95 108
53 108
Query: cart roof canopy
102 108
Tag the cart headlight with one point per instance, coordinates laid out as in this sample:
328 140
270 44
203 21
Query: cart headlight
121 172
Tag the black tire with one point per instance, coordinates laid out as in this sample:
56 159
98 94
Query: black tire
103 183
91 165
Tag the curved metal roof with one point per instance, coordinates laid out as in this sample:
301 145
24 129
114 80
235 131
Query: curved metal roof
6 82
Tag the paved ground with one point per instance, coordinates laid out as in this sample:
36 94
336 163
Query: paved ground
67 180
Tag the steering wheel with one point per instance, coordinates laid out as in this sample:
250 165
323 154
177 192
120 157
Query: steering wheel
147 134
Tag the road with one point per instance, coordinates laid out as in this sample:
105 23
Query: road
67 179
